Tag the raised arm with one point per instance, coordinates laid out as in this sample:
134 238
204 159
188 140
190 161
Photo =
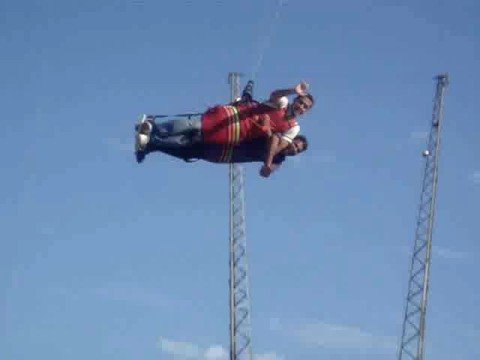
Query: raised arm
300 89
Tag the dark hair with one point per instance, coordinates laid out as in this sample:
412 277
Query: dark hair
303 139
309 96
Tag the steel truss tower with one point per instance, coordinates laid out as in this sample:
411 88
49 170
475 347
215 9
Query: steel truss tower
413 332
240 326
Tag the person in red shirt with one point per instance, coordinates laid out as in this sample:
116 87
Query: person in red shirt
237 122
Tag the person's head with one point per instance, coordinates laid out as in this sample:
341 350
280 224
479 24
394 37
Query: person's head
297 146
302 103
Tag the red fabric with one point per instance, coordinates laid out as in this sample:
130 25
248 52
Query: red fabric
234 124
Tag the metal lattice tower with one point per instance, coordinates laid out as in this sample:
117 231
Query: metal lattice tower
413 332
240 326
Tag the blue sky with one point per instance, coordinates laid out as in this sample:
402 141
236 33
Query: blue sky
103 258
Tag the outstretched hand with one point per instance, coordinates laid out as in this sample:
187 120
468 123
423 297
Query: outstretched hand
302 88
265 171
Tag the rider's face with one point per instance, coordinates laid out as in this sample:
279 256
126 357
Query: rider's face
296 147
301 104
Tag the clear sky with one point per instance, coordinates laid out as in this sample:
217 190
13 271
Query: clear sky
102 258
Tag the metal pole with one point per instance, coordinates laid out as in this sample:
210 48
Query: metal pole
240 338
412 344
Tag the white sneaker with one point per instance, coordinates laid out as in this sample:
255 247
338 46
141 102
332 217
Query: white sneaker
142 141
142 137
